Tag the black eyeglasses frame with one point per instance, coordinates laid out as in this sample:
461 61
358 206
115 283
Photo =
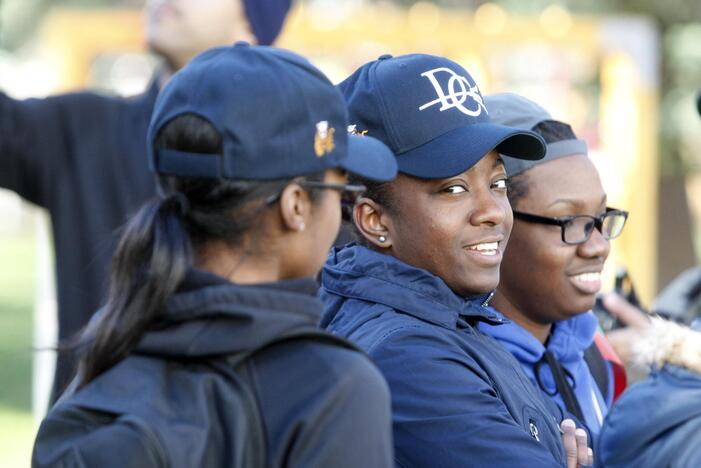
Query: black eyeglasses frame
565 220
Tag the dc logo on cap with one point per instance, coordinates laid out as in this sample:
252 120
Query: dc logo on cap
458 90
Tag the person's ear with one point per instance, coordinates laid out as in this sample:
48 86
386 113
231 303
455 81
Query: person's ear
295 207
373 222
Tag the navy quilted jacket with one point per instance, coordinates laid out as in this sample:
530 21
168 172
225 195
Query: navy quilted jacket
458 397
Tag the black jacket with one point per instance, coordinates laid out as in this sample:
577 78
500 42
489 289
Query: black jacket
82 157
320 404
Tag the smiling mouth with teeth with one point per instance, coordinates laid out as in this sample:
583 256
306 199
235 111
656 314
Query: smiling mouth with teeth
488 248
588 277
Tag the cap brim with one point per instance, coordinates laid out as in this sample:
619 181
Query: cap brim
369 158
458 150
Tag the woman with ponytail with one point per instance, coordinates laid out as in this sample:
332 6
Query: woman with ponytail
206 352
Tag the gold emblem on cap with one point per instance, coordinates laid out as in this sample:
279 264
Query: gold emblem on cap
353 130
323 140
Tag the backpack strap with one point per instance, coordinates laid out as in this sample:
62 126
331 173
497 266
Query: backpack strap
610 358
597 368
241 365
240 374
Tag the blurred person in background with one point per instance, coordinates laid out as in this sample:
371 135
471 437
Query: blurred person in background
412 292
82 156
657 422
207 353
679 301
552 266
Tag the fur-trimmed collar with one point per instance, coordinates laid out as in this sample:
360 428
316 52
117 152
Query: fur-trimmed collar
669 343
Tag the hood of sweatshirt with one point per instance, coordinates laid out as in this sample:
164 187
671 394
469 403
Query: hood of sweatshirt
568 341
208 316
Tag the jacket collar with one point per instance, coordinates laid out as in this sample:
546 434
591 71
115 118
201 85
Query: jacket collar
356 272
209 315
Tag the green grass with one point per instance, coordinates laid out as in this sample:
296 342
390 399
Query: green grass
17 428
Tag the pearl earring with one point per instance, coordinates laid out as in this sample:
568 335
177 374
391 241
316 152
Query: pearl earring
382 239
301 227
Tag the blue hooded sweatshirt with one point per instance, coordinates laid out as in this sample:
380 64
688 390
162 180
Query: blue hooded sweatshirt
568 341
458 397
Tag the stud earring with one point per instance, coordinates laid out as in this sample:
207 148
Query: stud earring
382 239
301 227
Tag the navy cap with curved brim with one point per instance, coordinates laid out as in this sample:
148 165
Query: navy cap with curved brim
278 116
517 111
449 154
430 113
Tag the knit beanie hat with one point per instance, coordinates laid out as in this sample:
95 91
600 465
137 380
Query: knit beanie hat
266 18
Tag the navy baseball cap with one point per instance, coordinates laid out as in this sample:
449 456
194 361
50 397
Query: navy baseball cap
517 111
430 113
279 117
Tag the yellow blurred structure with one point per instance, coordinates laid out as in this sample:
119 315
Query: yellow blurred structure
598 74
75 38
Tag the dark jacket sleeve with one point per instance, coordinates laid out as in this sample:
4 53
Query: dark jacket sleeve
656 422
37 140
446 413
353 429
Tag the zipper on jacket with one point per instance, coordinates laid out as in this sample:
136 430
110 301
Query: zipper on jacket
489 298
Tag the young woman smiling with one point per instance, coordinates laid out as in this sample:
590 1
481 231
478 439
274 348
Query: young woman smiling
431 243
551 271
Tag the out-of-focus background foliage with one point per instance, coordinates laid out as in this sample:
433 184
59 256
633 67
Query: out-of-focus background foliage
625 73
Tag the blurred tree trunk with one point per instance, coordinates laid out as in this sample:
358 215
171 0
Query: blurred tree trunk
674 241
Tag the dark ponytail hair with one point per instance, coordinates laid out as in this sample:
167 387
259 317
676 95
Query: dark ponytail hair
158 244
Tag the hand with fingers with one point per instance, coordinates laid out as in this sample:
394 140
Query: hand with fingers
577 450
636 323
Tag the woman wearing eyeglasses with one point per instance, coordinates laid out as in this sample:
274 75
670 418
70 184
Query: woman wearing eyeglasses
551 270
